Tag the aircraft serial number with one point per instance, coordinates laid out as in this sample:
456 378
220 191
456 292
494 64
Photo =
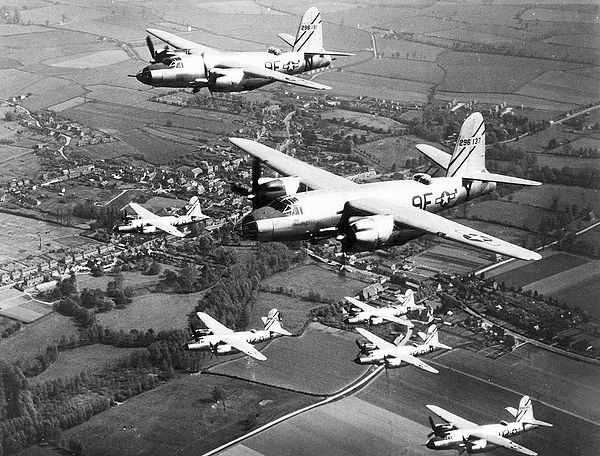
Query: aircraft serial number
277 65
308 27
469 142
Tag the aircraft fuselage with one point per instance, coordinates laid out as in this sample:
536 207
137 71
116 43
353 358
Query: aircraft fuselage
315 214
144 225
222 71
211 341
455 439
381 355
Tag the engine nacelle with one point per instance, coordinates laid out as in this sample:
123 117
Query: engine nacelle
376 320
393 362
366 233
271 188
224 349
477 446
146 229
228 80
365 347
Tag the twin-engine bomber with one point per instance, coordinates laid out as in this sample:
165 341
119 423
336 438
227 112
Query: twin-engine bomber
193 65
374 215
221 340
463 435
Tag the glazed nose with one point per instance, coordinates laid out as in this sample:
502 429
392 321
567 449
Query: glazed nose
247 227
144 76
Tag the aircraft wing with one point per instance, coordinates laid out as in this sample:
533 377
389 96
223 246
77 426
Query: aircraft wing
311 176
213 325
375 340
257 72
361 305
443 227
457 421
503 442
142 212
410 359
243 346
400 321
178 42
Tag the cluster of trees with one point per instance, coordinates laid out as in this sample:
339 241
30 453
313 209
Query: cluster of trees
189 279
83 306
230 299
570 151
11 329
32 412
312 295
106 216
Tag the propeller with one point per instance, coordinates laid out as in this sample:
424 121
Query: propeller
156 56
438 429
213 350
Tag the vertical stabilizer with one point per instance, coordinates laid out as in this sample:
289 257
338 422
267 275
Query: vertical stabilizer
193 208
469 152
310 32
431 338
525 413
272 323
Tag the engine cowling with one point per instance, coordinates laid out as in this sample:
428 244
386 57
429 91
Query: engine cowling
366 233
365 347
376 320
224 349
393 362
271 188
227 80
477 446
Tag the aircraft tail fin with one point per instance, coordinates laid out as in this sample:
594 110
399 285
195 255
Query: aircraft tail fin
469 151
431 338
193 207
524 414
272 323
468 158
309 37
408 300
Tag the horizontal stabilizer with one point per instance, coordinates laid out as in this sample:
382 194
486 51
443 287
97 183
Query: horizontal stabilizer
537 423
439 157
332 53
289 39
500 178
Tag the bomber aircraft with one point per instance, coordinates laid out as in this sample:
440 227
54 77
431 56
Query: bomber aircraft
193 65
223 341
380 351
147 222
374 215
377 315
462 435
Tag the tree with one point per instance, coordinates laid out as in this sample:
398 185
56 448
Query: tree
154 269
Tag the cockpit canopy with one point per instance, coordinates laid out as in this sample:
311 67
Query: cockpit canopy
274 51
174 62
287 205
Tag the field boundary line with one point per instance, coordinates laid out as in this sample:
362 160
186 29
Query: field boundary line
351 388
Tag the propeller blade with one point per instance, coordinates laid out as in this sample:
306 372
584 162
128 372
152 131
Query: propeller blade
256 172
150 45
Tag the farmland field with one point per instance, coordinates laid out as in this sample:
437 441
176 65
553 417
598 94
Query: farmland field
369 120
305 279
400 69
545 196
578 286
322 362
534 271
294 311
392 150
389 416
528 218
34 337
22 236
180 417
159 311
89 357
